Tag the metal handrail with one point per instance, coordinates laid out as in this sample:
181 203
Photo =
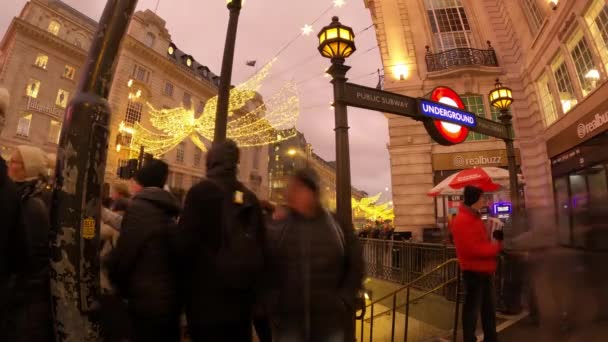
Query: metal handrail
407 288
459 57
413 282
419 297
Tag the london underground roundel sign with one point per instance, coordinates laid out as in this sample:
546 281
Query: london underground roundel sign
443 132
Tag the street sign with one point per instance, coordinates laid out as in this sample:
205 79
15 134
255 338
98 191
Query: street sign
382 101
439 111
491 128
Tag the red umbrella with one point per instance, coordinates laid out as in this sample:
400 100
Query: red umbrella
476 177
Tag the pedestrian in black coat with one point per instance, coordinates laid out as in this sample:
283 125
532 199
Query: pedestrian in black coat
141 266
30 311
216 310
12 242
317 269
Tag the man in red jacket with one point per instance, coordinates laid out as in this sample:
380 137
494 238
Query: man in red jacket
477 258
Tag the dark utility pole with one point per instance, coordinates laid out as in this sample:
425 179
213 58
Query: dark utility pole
507 119
80 170
343 190
223 96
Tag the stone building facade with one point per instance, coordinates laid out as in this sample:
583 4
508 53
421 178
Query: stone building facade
41 56
553 55
288 156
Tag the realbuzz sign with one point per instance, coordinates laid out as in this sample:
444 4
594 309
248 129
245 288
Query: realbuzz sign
443 112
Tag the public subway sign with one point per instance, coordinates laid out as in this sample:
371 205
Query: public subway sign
374 99
447 113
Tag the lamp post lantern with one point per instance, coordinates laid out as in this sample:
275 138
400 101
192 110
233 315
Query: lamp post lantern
501 98
337 42
223 96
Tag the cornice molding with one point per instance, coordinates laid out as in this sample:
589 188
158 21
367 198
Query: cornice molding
40 35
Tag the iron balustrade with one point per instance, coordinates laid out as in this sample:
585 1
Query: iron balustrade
460 57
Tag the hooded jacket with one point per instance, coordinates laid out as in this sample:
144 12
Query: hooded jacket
141 266
474 249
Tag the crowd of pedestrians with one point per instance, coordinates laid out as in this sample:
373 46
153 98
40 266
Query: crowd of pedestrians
219 265
377 230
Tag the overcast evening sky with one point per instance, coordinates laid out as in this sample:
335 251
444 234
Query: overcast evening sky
199 27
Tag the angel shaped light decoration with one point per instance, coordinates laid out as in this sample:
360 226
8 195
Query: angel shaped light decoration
367 207
252 121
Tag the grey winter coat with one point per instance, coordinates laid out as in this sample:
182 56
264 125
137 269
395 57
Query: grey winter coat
317 272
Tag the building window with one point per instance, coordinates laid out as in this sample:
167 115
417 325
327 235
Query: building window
150 39
449 24
54 27
597 21
564 84
69 72
33 87
474 104
133 114
41 61
201 107
62 98
180 152
588 74
168 89
256 157
23 126
546 100
198 155
187 100
54 132
140 73
533 14
178 180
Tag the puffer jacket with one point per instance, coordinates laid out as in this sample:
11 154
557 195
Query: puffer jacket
316 273
474 249
141 266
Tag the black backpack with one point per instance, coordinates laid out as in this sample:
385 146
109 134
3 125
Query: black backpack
239 261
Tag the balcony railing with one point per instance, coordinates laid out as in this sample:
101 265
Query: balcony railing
49 109
460 57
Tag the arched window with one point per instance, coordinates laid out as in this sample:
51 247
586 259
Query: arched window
54 27
449 23
150 39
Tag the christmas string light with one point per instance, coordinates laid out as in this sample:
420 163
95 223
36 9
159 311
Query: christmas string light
252 121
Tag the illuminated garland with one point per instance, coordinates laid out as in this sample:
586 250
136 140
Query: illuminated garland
368 209
271 121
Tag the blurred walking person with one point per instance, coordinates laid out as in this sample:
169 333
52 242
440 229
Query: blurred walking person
12 244
317 268
222 238
31 318
477 256
141 266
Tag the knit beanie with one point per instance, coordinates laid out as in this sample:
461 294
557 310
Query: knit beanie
472 195
153 174
309 178
34 162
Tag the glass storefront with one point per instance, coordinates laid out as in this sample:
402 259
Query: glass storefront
580 185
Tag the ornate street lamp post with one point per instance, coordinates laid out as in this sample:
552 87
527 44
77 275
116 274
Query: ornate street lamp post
501 98
337 42
223 96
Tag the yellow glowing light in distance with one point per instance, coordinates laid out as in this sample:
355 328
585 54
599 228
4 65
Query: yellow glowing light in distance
171 50
130 83
118 147
292 152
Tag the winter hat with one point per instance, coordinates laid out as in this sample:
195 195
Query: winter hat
223 159
153 174
472 195
34 162
309 178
